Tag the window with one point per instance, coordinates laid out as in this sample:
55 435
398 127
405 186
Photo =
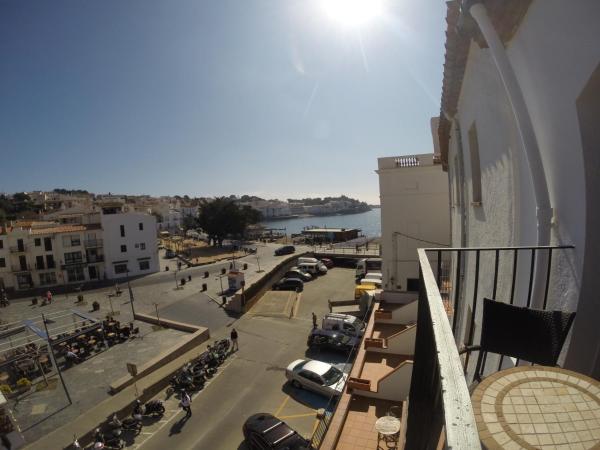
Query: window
1 243
122 230
37 242
120 268
39 262
141 226
75 274
73 258
50 261
475 166
123 248
48 244
47 278
2 262
142 246
144 265
71 240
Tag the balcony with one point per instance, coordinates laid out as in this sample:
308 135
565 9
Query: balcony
93 243
95 259
73 263
17 268
440 411
17 249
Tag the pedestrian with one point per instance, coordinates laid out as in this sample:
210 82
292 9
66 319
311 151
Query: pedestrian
234 340
49 297
186 403
314 317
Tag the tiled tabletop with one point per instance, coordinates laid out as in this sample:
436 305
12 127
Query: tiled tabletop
537 407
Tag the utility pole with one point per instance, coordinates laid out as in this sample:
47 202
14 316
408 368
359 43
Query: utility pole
130 295
54 360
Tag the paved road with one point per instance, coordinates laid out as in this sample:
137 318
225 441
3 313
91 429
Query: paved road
254 379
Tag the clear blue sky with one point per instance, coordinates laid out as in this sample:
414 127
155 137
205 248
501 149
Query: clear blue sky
268 97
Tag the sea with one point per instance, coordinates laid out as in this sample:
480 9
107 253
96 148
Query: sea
368 222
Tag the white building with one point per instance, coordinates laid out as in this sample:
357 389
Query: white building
77 248
414 213
129 244
519 138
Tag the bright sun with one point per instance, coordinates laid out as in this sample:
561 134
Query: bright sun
352 13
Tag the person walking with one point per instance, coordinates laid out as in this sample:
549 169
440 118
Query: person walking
234 340
314 318
186 403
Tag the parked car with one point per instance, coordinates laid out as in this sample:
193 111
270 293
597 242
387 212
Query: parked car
285 250
315 269
316 376
289 284
294 272
332 340
264 431
328 262
344 323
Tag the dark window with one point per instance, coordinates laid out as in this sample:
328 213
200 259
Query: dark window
475 165
122 230
50 261
20 245
23 262
1 243
144 265
123 248
37 242
141 226
2 261
142 246
75 274
39 262
48 244
120 268
73 258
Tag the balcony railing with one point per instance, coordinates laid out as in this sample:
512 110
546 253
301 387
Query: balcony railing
95 259
450 304
93 243
17 249
19 268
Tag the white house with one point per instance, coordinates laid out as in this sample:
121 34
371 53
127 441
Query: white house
520 140
130 245
414 213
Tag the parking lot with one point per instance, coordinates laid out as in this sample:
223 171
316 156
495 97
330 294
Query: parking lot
253 379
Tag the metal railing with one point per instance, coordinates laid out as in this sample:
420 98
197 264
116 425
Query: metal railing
324 422
93 243
95 259
18 268
450 304
17 249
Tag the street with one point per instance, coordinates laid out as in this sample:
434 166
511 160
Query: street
253 380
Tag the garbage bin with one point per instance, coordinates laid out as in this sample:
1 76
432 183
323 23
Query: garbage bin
245 266
206 274
204 287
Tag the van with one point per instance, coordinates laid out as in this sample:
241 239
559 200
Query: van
374 275
313 268
303 260
367 265
344 323
374 281
361 288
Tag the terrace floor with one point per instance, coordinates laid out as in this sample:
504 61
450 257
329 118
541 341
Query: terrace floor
358 431
385 330
378 365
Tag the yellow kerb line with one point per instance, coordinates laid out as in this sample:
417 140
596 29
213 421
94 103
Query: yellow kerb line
293 416
285 400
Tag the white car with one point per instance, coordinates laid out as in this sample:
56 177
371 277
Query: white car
316 376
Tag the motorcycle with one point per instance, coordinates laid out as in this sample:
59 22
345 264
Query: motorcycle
76 445
154 407
113 441
181 381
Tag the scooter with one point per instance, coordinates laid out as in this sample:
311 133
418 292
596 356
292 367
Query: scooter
76 445
154 407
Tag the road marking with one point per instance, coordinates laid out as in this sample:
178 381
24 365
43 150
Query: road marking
285 400
296 305
294 416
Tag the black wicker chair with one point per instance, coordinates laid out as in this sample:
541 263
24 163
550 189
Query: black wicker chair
529 334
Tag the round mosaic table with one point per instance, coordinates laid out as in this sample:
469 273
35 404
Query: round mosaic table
538 407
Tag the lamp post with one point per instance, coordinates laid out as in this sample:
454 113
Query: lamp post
130 294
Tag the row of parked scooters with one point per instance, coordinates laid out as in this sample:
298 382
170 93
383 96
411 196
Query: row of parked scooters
190 378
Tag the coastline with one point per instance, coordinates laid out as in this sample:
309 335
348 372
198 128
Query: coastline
301 216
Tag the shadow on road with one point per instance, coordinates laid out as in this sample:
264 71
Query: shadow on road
243 446
326 356
307 398
178 426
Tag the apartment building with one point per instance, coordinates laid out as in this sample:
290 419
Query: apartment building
413 192
77 248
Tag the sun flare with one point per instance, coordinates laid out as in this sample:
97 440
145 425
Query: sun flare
352 13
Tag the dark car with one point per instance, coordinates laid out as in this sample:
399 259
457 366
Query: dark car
266 432
285 250
327 262
332 340
289 284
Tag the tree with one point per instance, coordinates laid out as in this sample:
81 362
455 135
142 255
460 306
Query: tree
222 217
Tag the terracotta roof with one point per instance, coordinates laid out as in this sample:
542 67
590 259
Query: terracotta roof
65 229
506 16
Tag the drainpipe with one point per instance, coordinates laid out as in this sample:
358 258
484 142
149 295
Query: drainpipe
526 134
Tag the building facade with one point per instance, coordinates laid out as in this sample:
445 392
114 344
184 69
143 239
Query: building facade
414 213
519 138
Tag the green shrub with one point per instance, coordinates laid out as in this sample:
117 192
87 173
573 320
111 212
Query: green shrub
24 382
5 389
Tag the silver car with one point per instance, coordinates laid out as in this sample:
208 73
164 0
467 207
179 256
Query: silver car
317 376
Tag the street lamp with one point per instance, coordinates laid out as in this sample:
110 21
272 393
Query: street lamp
130 294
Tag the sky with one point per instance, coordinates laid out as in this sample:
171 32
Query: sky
275 98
